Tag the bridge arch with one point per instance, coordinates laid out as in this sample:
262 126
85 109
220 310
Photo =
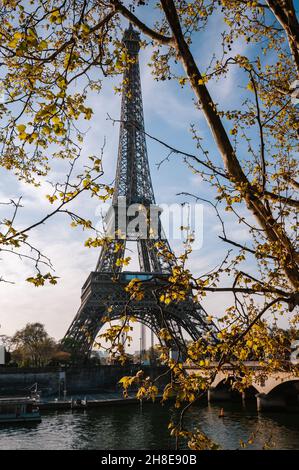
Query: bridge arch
223 390
288 387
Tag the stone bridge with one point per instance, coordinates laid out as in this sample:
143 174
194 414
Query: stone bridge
271 391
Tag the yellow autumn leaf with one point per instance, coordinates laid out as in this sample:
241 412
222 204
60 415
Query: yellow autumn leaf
13 43
22 136
43 45
18 35
21 127
56 120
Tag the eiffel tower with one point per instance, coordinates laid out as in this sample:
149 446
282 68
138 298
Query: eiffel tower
104 289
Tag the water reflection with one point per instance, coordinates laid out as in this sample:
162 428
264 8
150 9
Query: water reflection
130 427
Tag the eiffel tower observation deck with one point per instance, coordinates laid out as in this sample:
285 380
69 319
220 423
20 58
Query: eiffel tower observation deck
104 290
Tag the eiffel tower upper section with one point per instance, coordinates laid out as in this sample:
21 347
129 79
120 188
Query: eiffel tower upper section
133 183
133 179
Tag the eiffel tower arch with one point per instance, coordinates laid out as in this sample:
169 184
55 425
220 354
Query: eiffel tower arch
104 289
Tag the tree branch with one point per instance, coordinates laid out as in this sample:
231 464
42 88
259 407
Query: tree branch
285 14
277 197
250 250
173 149
119 7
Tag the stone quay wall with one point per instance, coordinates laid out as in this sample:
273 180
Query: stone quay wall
52 381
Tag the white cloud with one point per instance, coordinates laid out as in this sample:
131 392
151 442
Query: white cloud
53 305
166 100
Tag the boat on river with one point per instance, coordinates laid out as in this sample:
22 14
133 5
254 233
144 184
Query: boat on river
19 410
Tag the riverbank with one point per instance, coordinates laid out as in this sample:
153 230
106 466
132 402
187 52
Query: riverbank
84 379
87 402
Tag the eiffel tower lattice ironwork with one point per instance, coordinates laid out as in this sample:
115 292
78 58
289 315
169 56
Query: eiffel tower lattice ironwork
104 288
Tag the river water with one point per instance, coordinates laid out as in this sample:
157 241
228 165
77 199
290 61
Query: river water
133 427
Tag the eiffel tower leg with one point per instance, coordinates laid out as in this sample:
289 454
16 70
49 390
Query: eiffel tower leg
149 258
81 334
101 291
143 257
110 254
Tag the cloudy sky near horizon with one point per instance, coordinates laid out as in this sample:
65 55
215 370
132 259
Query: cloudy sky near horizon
169 110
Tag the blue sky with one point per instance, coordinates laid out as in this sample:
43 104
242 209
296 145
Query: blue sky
169 110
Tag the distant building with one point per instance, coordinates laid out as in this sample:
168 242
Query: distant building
102 356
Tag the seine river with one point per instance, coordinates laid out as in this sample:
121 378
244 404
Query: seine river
132 427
